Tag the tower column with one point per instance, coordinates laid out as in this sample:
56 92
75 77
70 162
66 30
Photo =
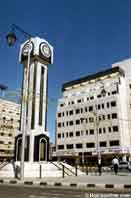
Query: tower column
45 97
37 93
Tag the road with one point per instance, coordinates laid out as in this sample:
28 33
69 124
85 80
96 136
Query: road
12 191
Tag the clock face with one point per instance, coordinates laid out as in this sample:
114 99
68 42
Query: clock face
45 50
27 48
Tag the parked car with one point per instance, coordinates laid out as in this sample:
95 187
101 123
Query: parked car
129 165
122 165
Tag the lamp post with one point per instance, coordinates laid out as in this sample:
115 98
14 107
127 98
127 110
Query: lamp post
11 39
97 122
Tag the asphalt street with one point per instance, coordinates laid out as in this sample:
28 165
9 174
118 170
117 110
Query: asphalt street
34 192
12 191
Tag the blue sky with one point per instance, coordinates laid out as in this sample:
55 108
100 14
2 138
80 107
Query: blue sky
87 35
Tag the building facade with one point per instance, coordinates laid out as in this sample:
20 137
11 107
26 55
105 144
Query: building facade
9 124
91 124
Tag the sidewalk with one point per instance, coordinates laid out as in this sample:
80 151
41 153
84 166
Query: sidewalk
106 180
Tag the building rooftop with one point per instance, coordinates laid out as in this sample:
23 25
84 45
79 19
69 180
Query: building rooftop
93 77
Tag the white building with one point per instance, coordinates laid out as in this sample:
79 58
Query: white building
89 123
9 125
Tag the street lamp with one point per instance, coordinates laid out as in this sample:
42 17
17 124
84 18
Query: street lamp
11 39
11 36
97 122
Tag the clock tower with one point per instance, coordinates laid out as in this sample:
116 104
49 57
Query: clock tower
35 55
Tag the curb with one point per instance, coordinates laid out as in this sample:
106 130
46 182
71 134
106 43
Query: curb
66 184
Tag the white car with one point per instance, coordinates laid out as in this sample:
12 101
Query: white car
123 165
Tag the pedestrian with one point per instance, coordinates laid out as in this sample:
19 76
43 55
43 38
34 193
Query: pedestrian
17 171
99 166
115 164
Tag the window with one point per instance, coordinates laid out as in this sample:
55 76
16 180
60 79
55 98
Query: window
63 135
67 113
4 119
71 123
104 130
113 104
100 131
59 135
115 128
81 110
91 131
86 120
103 116
82 120
71 134
79 101
109 129
63 114
114 92
11 119
91 119
69 146
99 118
67 134
98 96
114 143
77 121
86 132
10 134
99 106
79 145
102 106
90 108
91 98
130 86
60 147
109 116
71 112
77 133
90 145
114 115
62 105
77 111
67 123
86 109
59 124
107 104
102 144
63 124
2 134
1 142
